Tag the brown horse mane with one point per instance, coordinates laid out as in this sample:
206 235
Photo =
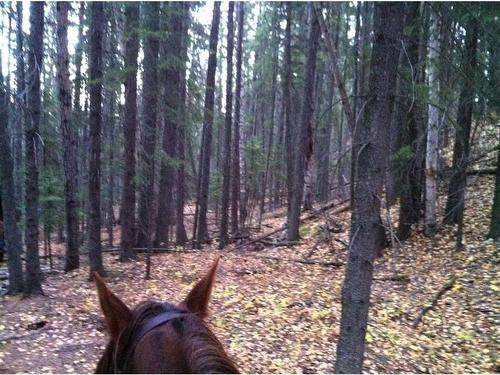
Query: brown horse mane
204 352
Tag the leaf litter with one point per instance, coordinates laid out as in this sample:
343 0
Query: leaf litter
281 316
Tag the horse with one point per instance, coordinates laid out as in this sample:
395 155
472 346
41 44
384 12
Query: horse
162 337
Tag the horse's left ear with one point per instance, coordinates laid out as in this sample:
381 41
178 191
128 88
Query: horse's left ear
198 298
116 313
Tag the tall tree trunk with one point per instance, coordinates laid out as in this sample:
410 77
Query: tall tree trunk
456 189
202 234
267 175
148 135
432 149
287 104
173 118
371 162
226 167
96 31
304 141
68 139
180 230
412 151
235 176
8 199
127 212
35 60
20 110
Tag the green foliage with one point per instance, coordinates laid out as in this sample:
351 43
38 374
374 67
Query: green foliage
404 154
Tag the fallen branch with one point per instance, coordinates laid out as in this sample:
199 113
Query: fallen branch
277 244
305 218
304 261
482 172
434 301
401 278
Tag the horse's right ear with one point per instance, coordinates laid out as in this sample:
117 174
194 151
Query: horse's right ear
198 298
116 313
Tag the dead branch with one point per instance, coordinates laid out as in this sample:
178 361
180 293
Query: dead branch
305 218
434 301
304 261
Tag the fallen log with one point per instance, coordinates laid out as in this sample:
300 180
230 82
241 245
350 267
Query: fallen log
304 261
305 218
434 301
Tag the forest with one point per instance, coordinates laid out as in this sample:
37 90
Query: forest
319 181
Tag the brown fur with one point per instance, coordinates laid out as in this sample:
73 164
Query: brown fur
184 344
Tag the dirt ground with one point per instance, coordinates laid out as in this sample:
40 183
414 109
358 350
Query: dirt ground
275 314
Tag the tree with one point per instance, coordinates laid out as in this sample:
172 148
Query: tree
411 154
172 74
226 166
151 12
8 199
68 139
180 230
432 148
200 231
304 140
35 60
20 108
127 210
96 29
494 231
456 187
371 162
235 176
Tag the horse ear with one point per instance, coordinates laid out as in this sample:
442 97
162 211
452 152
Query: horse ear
197 299
116 313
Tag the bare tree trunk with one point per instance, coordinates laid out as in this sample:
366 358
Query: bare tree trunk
456 189
96 30
201 235
173 120
33 272
304 141
287 103
148 135
180 230
235 183
226 167
494 231
20 110
127 212
371 162
68 139
432 150
8 200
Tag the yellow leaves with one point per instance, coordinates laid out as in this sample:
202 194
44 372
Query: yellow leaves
464 335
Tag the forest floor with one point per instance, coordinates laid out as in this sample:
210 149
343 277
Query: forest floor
275 314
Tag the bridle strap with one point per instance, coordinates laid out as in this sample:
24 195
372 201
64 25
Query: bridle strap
151 324
158 320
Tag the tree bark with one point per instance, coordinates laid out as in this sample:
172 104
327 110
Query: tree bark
96 30
68 139
226 167
432 149
304 141
456 188
412 152
235 176
127 212
494 231
20 110
35 60
173 120
204 170
180 230
151 18
371 162
8 200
